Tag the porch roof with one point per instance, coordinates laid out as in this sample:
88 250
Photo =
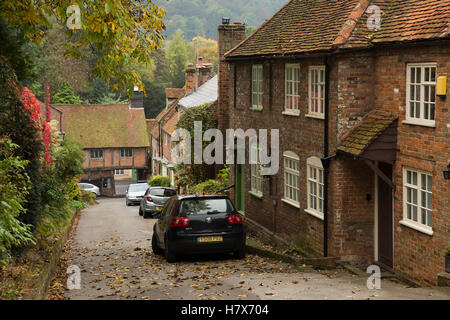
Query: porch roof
358 140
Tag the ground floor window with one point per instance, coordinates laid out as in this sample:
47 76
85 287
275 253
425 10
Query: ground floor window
418 198
256 181
119 172
291 178
315 187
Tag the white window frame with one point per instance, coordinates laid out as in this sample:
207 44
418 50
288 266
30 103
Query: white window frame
292 89
408 219
420 102
320 87
257 86
292 173
124 153
95 154
119 172
256 178
314 163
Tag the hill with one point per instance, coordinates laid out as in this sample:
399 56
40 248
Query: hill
201 17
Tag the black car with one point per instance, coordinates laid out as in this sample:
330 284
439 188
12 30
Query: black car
199 224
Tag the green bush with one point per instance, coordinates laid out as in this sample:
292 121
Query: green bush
159 181
213 186
60 188
447 250
14 186
88 197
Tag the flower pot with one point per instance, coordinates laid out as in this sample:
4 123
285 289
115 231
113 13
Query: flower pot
447 264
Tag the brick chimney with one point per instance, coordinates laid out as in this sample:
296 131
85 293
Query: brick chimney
191 79
230 35
198 75
137 100
204 71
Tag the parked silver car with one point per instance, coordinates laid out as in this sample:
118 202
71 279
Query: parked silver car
154 201
135 193
90 187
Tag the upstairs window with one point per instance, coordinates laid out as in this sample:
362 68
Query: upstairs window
317 92
126 153
96 154
257 86
292 85
421 94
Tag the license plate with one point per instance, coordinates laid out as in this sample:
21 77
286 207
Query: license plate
159 208
209 239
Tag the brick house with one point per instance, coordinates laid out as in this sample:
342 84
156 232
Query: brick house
114 139
200 88
364 137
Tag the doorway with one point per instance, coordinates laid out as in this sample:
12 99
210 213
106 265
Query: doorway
385 219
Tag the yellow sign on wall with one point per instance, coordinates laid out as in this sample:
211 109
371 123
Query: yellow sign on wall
441 86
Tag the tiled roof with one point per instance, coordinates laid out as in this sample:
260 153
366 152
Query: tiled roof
404 20
356 141
152 128
175 93
300 26
170 121
105 126
306 26
207 93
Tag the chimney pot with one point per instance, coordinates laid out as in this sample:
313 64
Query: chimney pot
225 20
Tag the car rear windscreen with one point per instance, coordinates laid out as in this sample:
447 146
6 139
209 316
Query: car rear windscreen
205 206
138 187
165 193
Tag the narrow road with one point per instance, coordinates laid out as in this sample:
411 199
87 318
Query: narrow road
112 248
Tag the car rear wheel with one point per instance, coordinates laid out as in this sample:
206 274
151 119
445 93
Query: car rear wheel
156 249
169 254
146 215
240 254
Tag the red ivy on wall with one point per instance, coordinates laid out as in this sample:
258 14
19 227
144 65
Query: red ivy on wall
33 105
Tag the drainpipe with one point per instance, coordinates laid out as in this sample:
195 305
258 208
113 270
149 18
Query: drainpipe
326 160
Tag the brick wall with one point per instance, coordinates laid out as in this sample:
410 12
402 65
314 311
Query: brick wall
359 82
418 256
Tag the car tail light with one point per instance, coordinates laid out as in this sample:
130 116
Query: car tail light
180 222
149 199
235 219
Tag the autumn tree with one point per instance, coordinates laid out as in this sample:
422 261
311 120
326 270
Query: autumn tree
179 53
125 32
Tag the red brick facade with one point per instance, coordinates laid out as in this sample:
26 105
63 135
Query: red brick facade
359 82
